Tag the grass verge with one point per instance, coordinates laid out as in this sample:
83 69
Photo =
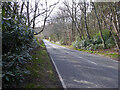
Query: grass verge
112 55
42 72
104 52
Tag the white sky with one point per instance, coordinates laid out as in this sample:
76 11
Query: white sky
56 9
49 2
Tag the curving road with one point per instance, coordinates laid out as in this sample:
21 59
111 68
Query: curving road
82 70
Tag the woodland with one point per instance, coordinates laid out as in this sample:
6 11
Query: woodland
83 25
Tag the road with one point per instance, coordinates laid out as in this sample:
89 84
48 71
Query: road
82 70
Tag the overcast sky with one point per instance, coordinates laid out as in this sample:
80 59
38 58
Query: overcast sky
50 2
56 9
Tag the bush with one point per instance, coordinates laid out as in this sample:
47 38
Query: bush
110 42
95 42
62 42
17 40
76 44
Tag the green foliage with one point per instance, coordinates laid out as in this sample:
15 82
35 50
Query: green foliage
95 42
62 42
17 41
52 37
106 34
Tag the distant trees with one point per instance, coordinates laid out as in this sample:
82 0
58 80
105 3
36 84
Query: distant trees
87 19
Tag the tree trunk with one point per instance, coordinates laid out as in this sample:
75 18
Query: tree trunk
82 37
116 40
73 31
86 26
36 6
76 22
100 29
28 17
117 17
22 8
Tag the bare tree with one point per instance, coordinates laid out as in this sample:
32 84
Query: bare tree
85 15
100 29
28 15
110 28
21 11
116 16
48 13
36 7
116 41
73 14
34 11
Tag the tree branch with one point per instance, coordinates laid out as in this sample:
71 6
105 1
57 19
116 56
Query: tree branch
45 19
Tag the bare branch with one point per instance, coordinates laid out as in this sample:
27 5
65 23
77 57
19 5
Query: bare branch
22 7
45 19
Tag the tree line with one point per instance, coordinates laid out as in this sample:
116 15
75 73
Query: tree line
84 20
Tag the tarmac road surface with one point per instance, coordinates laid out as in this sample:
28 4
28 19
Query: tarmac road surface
83 70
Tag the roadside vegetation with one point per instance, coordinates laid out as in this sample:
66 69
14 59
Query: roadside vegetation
17 41
25 61
110 53
88 26
42 72
94 45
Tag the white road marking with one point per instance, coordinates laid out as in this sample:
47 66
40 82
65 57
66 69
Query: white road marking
81 57
60 77
89 61
83 81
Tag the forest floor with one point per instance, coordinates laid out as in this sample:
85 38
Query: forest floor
42 72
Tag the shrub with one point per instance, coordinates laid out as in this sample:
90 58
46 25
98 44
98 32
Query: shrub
62 42
95 42
17 40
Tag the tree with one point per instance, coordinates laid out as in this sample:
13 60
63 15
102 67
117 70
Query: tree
72 11
34 12
100 29
86 26
110 28
91 21
17 41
